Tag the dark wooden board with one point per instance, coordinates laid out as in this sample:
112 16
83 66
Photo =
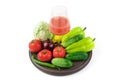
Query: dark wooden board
77 66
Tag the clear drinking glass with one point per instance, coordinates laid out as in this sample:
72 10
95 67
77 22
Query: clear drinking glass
59 23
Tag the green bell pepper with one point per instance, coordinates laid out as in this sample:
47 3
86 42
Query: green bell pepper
43 63
85 45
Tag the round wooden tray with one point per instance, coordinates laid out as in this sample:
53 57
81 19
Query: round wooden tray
77 66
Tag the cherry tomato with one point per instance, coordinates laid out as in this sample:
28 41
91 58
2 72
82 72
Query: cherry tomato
35 45
44 55
59 52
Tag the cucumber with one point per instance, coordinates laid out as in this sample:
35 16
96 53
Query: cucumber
71 40
77 56
62 62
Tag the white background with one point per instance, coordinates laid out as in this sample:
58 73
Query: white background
19 17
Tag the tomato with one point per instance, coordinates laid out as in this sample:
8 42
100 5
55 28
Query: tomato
35 45
44 55
59 52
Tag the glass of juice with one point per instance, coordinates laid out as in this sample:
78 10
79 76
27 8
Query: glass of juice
59 23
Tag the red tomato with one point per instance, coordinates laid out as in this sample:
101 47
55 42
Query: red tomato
59 52
35 45
44 55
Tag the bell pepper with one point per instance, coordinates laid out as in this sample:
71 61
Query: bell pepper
57 39
85 45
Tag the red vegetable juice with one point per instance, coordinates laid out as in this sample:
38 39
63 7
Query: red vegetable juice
59 25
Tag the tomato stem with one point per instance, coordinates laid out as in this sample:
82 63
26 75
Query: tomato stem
32 41
44 52
58 49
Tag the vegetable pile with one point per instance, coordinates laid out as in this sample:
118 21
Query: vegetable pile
54 51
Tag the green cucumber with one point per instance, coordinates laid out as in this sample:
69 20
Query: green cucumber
62 62
77 56
71 40
73 32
